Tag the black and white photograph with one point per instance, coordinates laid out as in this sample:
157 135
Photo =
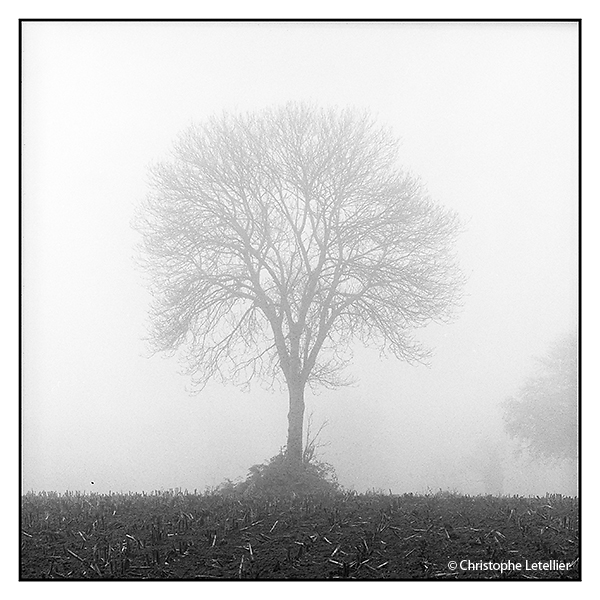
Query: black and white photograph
300 300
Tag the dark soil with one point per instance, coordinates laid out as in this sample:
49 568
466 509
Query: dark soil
346 536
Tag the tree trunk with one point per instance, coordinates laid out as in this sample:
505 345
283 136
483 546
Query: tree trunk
295 424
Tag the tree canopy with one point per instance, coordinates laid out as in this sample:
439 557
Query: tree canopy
291 232
543 414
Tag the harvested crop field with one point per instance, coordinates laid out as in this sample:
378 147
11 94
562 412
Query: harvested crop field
171 535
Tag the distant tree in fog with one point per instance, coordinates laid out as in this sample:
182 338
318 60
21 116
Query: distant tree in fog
543 414
274 239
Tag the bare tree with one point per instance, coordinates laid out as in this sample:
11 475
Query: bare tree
274 239
543 414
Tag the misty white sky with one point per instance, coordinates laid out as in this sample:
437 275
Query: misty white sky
488 117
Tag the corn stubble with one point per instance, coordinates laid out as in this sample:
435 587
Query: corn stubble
181 535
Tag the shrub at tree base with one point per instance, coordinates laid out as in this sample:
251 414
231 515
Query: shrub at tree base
277 477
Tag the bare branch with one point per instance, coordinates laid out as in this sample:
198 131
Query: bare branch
275 239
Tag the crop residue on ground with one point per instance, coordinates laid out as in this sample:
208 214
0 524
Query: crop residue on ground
174 535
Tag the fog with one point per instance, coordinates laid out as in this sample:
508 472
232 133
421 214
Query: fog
488 116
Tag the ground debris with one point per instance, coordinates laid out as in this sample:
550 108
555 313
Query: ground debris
344 536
